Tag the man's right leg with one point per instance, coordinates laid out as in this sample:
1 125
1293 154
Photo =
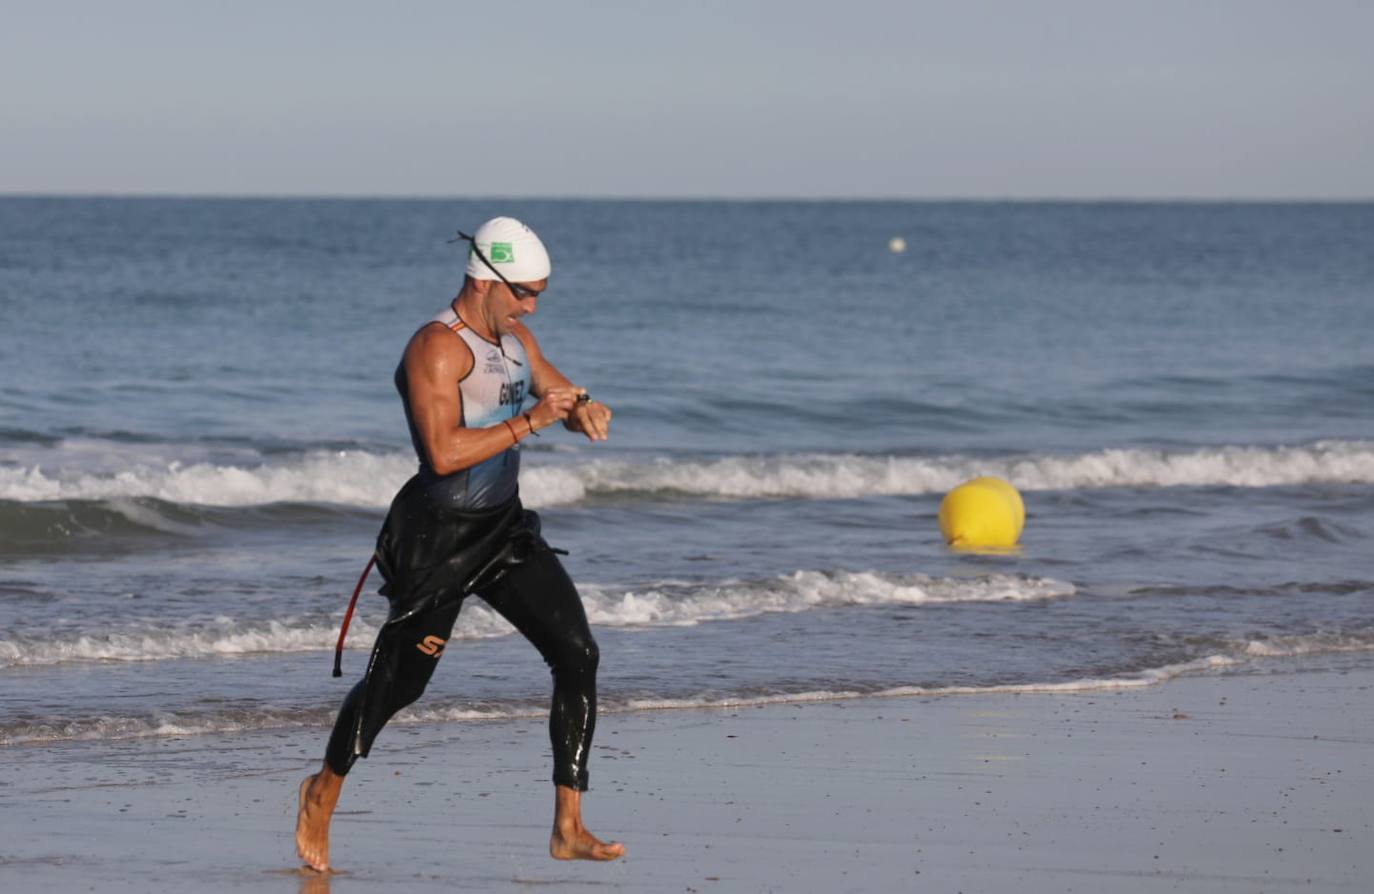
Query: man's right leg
407 653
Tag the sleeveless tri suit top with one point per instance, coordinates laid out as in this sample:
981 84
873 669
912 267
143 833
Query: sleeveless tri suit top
493 391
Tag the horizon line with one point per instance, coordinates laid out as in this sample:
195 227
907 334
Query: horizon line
931 199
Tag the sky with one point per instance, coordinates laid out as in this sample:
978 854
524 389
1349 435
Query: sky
854 99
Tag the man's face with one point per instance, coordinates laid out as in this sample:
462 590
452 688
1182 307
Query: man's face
508 306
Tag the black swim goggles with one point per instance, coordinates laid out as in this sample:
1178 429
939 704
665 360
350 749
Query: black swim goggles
516 289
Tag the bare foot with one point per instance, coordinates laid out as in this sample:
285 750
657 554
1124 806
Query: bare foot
580 844
318 795
570 839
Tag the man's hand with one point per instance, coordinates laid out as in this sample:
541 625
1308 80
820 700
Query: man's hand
589 417
553 406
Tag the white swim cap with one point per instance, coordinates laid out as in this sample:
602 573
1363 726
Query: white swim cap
512 248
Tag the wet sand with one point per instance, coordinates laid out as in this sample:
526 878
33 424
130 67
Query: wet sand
1226 783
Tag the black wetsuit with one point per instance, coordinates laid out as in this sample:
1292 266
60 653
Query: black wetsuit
434 550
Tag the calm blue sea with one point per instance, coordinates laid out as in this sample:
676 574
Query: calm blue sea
199 437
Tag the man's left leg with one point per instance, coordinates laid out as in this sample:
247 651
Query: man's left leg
539 599
406 654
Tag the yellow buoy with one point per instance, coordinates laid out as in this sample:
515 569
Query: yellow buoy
983 513
1011 493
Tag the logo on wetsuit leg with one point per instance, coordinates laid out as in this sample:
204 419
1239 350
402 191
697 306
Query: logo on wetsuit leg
431 645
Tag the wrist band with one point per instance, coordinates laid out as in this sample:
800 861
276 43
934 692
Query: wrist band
514 438
530 423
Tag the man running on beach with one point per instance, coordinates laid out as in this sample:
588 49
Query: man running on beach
457 528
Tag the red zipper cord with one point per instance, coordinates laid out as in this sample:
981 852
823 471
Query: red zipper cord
348 616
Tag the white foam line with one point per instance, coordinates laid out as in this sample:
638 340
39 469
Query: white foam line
169 726
360 478
848 477
664 604
223 637
166 725
349 477
1152 677
1247 651
1309 644
689 604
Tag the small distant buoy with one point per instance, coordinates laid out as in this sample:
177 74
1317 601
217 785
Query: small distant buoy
985 513
896 245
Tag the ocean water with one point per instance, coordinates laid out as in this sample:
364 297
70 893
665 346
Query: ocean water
199 437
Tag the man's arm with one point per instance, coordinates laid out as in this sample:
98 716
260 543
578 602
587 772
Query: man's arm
435 361
592 418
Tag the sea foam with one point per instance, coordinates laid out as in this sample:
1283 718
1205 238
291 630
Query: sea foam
365 479
668 603
684 604
221 637
660 604
1234 655
831 476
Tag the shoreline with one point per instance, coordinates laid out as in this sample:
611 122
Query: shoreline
1229 782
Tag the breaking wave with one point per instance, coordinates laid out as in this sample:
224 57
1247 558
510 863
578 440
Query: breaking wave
221 637
1309 644
684 604
361 478
663 604
849 476
350 477
657 605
